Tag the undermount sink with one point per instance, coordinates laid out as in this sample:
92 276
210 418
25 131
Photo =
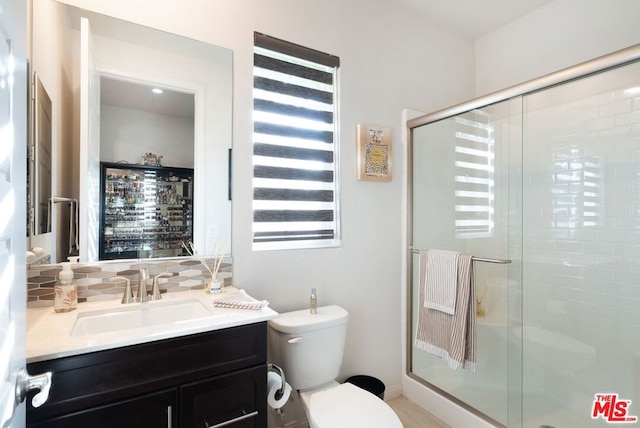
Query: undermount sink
139 316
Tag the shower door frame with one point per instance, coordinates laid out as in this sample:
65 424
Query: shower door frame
610 61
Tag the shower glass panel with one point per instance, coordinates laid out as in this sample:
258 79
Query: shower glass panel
550 179
460 185
581 249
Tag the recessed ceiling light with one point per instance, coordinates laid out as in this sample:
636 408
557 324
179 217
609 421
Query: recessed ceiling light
156 90
633 91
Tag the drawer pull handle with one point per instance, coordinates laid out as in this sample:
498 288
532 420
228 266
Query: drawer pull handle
169 417
233 421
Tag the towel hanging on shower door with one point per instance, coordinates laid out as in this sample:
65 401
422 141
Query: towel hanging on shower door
451 337
441 278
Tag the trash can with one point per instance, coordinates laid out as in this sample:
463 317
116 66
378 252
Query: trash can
368 383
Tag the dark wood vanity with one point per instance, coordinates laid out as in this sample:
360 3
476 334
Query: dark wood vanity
211 379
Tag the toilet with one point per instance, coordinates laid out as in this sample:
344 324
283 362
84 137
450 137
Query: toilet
309 347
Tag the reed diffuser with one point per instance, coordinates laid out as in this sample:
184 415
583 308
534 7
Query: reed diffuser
213 284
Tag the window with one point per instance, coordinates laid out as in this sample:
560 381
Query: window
294 146
577 189
474 166
591 191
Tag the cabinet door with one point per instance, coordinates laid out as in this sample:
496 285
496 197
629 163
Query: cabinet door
150 411
235 400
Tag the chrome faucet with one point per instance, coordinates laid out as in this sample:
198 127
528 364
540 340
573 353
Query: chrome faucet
127 296
143 293
155 292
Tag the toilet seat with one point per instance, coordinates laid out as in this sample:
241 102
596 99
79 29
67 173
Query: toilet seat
348 406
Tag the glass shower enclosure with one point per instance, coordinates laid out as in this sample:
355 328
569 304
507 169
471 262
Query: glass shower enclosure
545 179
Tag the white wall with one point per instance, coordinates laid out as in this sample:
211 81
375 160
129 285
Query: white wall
561 34
390 59
126 134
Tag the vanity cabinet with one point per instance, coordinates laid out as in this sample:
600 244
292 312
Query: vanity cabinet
217 378
231 399
154 410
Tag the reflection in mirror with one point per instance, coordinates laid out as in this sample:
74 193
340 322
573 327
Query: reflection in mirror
137 118
41 149
127 53
146 154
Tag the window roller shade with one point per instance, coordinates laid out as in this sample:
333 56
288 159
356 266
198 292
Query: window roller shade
295 205
277 45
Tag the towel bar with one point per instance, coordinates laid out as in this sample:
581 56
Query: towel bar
478 259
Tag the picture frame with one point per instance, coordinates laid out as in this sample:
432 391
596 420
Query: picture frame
374 152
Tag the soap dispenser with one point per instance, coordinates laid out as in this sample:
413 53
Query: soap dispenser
65 298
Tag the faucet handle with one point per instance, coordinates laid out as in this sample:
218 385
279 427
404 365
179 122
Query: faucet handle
127 296
155 292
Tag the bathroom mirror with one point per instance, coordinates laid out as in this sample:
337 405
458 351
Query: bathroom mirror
122 51
40 159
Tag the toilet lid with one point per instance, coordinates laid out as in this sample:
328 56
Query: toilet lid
348 406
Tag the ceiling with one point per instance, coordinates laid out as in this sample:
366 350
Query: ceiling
121 93
474 18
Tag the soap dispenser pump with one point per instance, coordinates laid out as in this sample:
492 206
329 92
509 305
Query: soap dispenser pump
65 297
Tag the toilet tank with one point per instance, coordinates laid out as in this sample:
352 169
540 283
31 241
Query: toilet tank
309 347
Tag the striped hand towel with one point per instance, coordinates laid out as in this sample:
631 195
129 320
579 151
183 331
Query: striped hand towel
441 277
451 337
239 299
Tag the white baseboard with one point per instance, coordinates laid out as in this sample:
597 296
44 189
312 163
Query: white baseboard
445 410
392 392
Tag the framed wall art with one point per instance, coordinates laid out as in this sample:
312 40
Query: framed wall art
374 152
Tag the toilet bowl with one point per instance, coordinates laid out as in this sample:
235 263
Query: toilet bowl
347 406
309 348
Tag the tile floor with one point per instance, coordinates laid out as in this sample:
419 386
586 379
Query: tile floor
413 416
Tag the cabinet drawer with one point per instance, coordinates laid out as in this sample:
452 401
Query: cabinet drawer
236 400
85 381
157 410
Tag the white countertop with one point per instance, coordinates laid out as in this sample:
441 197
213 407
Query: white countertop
49 333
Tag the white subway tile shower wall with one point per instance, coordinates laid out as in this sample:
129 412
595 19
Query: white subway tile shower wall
582 230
